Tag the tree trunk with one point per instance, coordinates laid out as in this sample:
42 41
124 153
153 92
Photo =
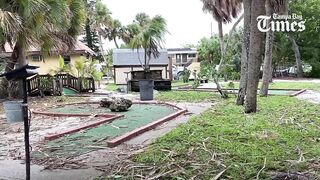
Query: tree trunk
296 50
101 47
267 67
255 53
245 52
222 49
232 30
115 42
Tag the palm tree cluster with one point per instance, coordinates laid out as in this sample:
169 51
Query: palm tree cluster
223 11
143 33
149 37
39 23
44 24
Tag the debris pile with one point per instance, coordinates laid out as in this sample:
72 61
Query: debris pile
116 104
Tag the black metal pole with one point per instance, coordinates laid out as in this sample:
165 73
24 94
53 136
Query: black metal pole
26 128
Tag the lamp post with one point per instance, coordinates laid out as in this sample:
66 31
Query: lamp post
19 74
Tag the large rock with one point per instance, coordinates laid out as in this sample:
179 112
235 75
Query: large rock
116 104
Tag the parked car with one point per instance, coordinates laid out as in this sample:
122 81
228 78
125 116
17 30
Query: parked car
177 71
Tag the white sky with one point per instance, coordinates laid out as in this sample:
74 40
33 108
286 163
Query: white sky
187 23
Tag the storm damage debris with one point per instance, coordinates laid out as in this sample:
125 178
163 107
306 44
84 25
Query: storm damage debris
116 104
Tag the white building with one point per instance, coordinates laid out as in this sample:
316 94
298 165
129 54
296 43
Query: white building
127 60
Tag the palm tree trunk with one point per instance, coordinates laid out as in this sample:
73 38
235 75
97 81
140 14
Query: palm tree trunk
101 47
255 54
297 54
245 52
222 49
267 67
115 42
232 30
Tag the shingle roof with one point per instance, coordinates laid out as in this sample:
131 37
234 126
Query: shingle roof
78 47
127 57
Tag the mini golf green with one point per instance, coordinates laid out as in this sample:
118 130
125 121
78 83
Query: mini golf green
282 92
86 141
67 91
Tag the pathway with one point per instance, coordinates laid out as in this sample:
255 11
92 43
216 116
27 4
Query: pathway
311 96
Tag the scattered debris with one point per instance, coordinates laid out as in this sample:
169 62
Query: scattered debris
116 104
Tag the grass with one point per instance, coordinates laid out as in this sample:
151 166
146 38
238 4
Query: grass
186 96
177 83
286 85
295 85
111 87
281 139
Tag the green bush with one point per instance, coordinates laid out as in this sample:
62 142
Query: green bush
186 75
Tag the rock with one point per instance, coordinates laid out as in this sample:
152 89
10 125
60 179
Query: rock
116 104
106 102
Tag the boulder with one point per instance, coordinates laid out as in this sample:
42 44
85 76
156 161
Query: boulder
116 104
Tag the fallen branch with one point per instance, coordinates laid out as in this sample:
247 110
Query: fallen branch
264 166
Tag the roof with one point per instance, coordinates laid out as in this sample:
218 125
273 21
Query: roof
130 57
182 51
79 47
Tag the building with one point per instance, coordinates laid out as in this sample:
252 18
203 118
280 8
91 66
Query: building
127 60
49 62
183 56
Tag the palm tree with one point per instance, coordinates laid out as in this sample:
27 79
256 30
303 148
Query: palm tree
114 31
245 52
129 32
39 23
255 54
271 7
43 23
142 19
222 11
150 38
100 18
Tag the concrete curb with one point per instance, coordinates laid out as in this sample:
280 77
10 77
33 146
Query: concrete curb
299 92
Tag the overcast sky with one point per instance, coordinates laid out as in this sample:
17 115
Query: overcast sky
187 23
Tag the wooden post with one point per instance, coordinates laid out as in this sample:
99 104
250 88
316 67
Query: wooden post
93 85
170 69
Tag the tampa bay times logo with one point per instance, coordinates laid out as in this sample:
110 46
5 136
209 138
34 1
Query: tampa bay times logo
281 23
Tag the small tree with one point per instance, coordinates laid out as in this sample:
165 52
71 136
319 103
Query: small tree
150 38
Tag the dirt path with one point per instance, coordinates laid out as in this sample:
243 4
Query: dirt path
311 96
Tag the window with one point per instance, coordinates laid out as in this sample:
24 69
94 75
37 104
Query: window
67 60
192 55
36 58
184 58
178 58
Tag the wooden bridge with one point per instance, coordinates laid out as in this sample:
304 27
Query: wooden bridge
53 85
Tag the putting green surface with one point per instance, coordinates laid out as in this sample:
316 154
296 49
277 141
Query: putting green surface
282 92
67 91
80 109
86 141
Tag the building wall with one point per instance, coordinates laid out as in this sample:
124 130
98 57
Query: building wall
174 59
50 63
120 75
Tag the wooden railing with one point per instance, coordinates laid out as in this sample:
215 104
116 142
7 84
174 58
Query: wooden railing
40 82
